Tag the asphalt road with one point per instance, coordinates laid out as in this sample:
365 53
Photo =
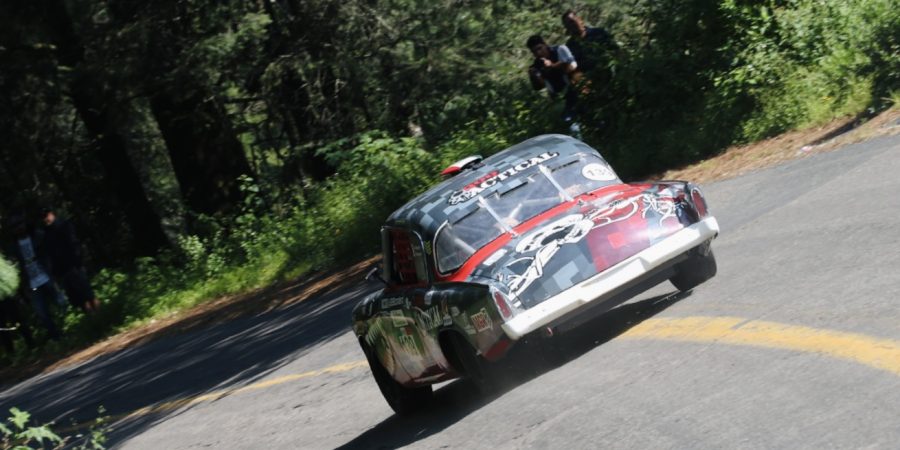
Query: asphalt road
794 344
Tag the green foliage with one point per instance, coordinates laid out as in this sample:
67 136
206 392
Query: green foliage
17 434
807 61
9 278
347 109
699 76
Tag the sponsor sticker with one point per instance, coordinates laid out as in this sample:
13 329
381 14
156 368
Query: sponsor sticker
398 319
431 318
392 302
408 342
482 321
598 172
472 190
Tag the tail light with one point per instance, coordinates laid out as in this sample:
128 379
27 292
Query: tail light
502 304
699 202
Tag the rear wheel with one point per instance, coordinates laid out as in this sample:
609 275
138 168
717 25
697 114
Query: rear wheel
402 400
699 267
475 367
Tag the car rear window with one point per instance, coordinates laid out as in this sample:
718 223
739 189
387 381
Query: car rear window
515 201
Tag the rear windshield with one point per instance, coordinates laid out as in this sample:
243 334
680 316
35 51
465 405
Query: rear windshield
515 201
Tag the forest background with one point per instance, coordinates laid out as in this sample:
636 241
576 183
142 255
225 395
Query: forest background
204 148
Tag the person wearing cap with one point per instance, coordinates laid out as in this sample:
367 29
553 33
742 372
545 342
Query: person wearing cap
66 261
36 285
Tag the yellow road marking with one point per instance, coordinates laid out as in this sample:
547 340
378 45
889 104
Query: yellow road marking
881 354
212 396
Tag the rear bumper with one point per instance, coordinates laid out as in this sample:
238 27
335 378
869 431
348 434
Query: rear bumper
605 285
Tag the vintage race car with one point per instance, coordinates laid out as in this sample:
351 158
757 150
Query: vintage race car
527 242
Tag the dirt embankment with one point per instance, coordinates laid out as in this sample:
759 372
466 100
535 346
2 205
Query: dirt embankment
732 162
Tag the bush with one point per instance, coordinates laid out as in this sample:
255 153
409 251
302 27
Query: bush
9 278
17 433
699 76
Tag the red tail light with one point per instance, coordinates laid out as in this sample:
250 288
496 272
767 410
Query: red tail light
502 305
699 202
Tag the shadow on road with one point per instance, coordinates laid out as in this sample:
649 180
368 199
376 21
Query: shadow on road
524 363
226 355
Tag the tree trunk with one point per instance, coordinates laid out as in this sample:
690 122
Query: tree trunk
120 132
207 156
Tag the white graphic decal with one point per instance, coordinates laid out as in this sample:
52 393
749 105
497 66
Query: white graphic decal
665 207
598 172
547 241
472 190
482 321
495 257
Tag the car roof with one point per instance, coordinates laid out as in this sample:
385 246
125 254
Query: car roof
447 200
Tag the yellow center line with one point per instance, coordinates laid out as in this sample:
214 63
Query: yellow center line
216 395
879 353
874 352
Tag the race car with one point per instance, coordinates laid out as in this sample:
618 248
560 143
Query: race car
527 242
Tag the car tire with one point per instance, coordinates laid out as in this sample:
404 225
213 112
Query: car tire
402 400
699 267
476 369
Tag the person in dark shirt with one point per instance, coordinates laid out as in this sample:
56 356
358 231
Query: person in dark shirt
66 262
36 284
585 42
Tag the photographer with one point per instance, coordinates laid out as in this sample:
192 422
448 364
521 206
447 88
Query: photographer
555 68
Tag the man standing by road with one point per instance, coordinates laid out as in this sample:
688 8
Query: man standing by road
36 284
585 42
64 251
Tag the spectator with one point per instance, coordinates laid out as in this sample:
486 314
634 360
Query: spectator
66 262
584 42
554 68
36 284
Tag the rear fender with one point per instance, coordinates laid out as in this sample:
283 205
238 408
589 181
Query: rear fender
468 310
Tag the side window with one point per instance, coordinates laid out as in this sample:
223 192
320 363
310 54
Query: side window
407 259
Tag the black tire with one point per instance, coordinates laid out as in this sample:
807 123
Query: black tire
402 400
475 368
699 267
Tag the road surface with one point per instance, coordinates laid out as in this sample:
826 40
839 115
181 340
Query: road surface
794 344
